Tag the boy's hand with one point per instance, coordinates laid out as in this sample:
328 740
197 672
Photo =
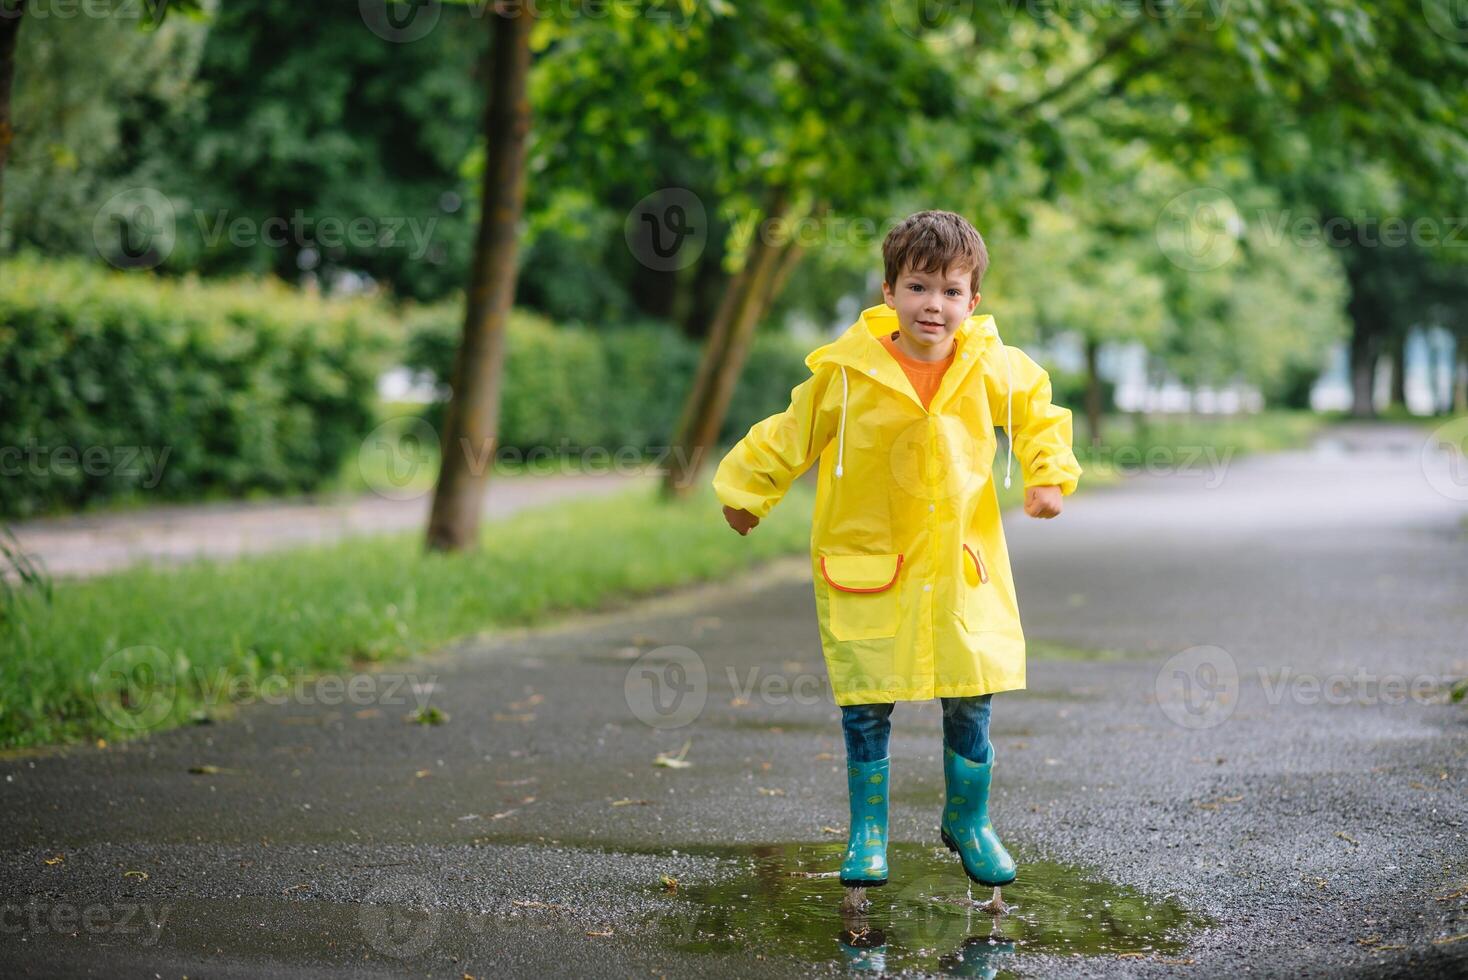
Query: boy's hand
740 520
1042 501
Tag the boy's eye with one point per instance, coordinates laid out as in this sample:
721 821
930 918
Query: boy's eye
953 292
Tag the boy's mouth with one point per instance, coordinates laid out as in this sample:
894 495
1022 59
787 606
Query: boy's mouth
929 326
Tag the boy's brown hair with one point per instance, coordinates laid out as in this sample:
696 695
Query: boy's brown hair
935 241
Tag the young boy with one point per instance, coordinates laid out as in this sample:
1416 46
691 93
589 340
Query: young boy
913 588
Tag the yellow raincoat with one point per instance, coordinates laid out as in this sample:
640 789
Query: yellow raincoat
912 580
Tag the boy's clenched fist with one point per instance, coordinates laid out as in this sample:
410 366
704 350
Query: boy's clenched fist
740 520
1042 501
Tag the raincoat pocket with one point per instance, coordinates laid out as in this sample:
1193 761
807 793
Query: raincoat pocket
983 605
863 599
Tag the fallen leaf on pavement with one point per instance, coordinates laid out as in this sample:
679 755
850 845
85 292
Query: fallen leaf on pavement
674 761
427 716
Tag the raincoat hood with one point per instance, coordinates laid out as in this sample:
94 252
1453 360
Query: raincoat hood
860 348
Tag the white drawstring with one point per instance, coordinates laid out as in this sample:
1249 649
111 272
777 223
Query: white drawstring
841 438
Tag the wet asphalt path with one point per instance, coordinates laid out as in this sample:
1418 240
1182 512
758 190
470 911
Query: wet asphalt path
1320 834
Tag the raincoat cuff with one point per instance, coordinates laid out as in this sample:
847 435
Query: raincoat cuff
759 505
1057 471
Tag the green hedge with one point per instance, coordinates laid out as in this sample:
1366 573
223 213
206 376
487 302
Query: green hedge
124 385
619 386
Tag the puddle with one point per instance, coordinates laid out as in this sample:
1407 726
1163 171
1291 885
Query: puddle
925 918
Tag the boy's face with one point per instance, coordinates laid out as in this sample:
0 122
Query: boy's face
931 305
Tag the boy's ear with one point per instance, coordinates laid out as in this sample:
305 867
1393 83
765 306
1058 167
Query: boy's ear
975 302
887 295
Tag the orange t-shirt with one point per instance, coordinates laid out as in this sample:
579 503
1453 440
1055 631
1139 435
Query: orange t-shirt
925 376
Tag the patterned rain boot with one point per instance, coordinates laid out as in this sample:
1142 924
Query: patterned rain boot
865 864
965 827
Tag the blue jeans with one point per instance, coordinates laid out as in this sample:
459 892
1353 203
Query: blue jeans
965 728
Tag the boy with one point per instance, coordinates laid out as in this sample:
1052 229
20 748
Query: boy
913 588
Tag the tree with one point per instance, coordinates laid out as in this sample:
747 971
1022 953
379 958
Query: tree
471 418
95 101
310 124
1068 275
11 13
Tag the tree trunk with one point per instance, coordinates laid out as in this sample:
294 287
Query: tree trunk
1094 406
471 418
1369 320
723 355
1363 370
11 12
1398 395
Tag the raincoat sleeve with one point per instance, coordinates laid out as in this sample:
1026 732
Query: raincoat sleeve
1041 433
757 472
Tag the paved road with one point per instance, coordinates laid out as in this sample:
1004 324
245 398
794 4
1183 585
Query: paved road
80 545
1226 821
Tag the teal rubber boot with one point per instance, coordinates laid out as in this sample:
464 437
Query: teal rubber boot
865 864
966 828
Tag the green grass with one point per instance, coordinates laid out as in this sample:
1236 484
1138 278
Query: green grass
142 650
